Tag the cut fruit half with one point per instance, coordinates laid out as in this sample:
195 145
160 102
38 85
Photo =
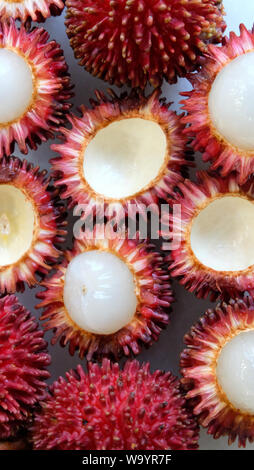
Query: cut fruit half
108 296
134 42
30 10
216 228
127 150
218 370
31 224
220 115
32 113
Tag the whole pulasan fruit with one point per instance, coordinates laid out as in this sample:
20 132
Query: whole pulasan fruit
138 41
23 363
109 408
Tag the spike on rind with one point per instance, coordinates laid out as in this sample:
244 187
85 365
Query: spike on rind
53 91
23 362
50 232
142 41
198 362
113 409
223 155
152 312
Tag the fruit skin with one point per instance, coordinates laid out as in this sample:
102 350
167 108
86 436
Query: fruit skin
110 409
68 170
140 41
23 363
50 231
27 11
223 155
184 265
154 299
198 363
51 102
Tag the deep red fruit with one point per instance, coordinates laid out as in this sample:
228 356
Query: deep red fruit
23 362
140 41
113 409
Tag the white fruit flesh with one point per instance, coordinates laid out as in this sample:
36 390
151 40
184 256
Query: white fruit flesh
16 86
99 292
124 157
222 234
231 102
235 371
17 223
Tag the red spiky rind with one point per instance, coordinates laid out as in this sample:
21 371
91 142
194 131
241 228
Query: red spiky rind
184 265
140 41
154 299
68 168
113 409
50 223
53 91
224 156
30 10
198 366
23 363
